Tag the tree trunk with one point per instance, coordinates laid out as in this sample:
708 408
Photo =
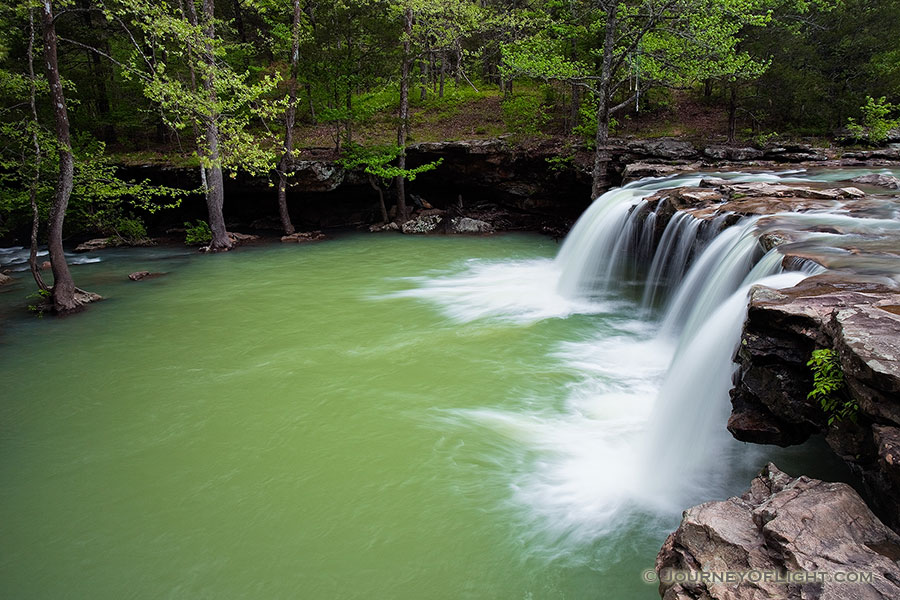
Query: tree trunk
289 115
63 285
402 212
35 215
732 114
238 21
443 73
215 199
423 89
377 188
601 152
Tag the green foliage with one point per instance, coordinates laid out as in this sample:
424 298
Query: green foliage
525 115
876 123
40 300
828 385
561 163
375 160
197 235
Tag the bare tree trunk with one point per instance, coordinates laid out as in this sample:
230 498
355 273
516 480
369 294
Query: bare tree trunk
215 199
35 215
289 115
63 285
402 212
312 106
732 114
601 152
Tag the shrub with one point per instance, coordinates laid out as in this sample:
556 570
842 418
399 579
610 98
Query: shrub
875 124
828 387
197 235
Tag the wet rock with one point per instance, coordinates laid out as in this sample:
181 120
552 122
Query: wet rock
46 265
735 154
468 225
139 275
238 239
97 244
302 237
781 525
4 279
386 227
639 170
422 224
859 319
878 179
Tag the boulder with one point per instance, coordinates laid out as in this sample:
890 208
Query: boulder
302 237
879 180
467 225
4 279
46 265
785 538
421 224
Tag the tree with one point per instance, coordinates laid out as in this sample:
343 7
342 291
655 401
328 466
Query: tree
650 43
375 161
63 292
289 117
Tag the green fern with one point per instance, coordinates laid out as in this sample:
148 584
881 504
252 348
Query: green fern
828 385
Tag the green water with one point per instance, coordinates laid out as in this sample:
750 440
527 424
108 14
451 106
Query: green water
273 423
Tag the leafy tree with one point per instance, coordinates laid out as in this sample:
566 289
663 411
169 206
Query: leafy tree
641 44
376 161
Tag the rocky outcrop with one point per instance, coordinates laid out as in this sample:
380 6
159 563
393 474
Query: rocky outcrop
112 242
785 538
860 320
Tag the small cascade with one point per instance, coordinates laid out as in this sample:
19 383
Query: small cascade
671 257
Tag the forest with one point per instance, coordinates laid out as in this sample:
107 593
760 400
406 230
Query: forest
243 86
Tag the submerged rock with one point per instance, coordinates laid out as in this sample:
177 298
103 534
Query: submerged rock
789 538
139 275
4 279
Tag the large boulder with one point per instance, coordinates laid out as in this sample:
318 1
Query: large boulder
785 538
879 180
468 225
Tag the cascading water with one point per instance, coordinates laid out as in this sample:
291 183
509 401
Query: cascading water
643 428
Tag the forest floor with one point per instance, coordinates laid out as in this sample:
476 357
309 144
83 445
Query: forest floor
464 113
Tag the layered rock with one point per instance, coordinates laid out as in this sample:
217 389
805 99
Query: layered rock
784 538
860 320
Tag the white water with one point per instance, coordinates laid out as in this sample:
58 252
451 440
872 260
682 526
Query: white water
642 432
